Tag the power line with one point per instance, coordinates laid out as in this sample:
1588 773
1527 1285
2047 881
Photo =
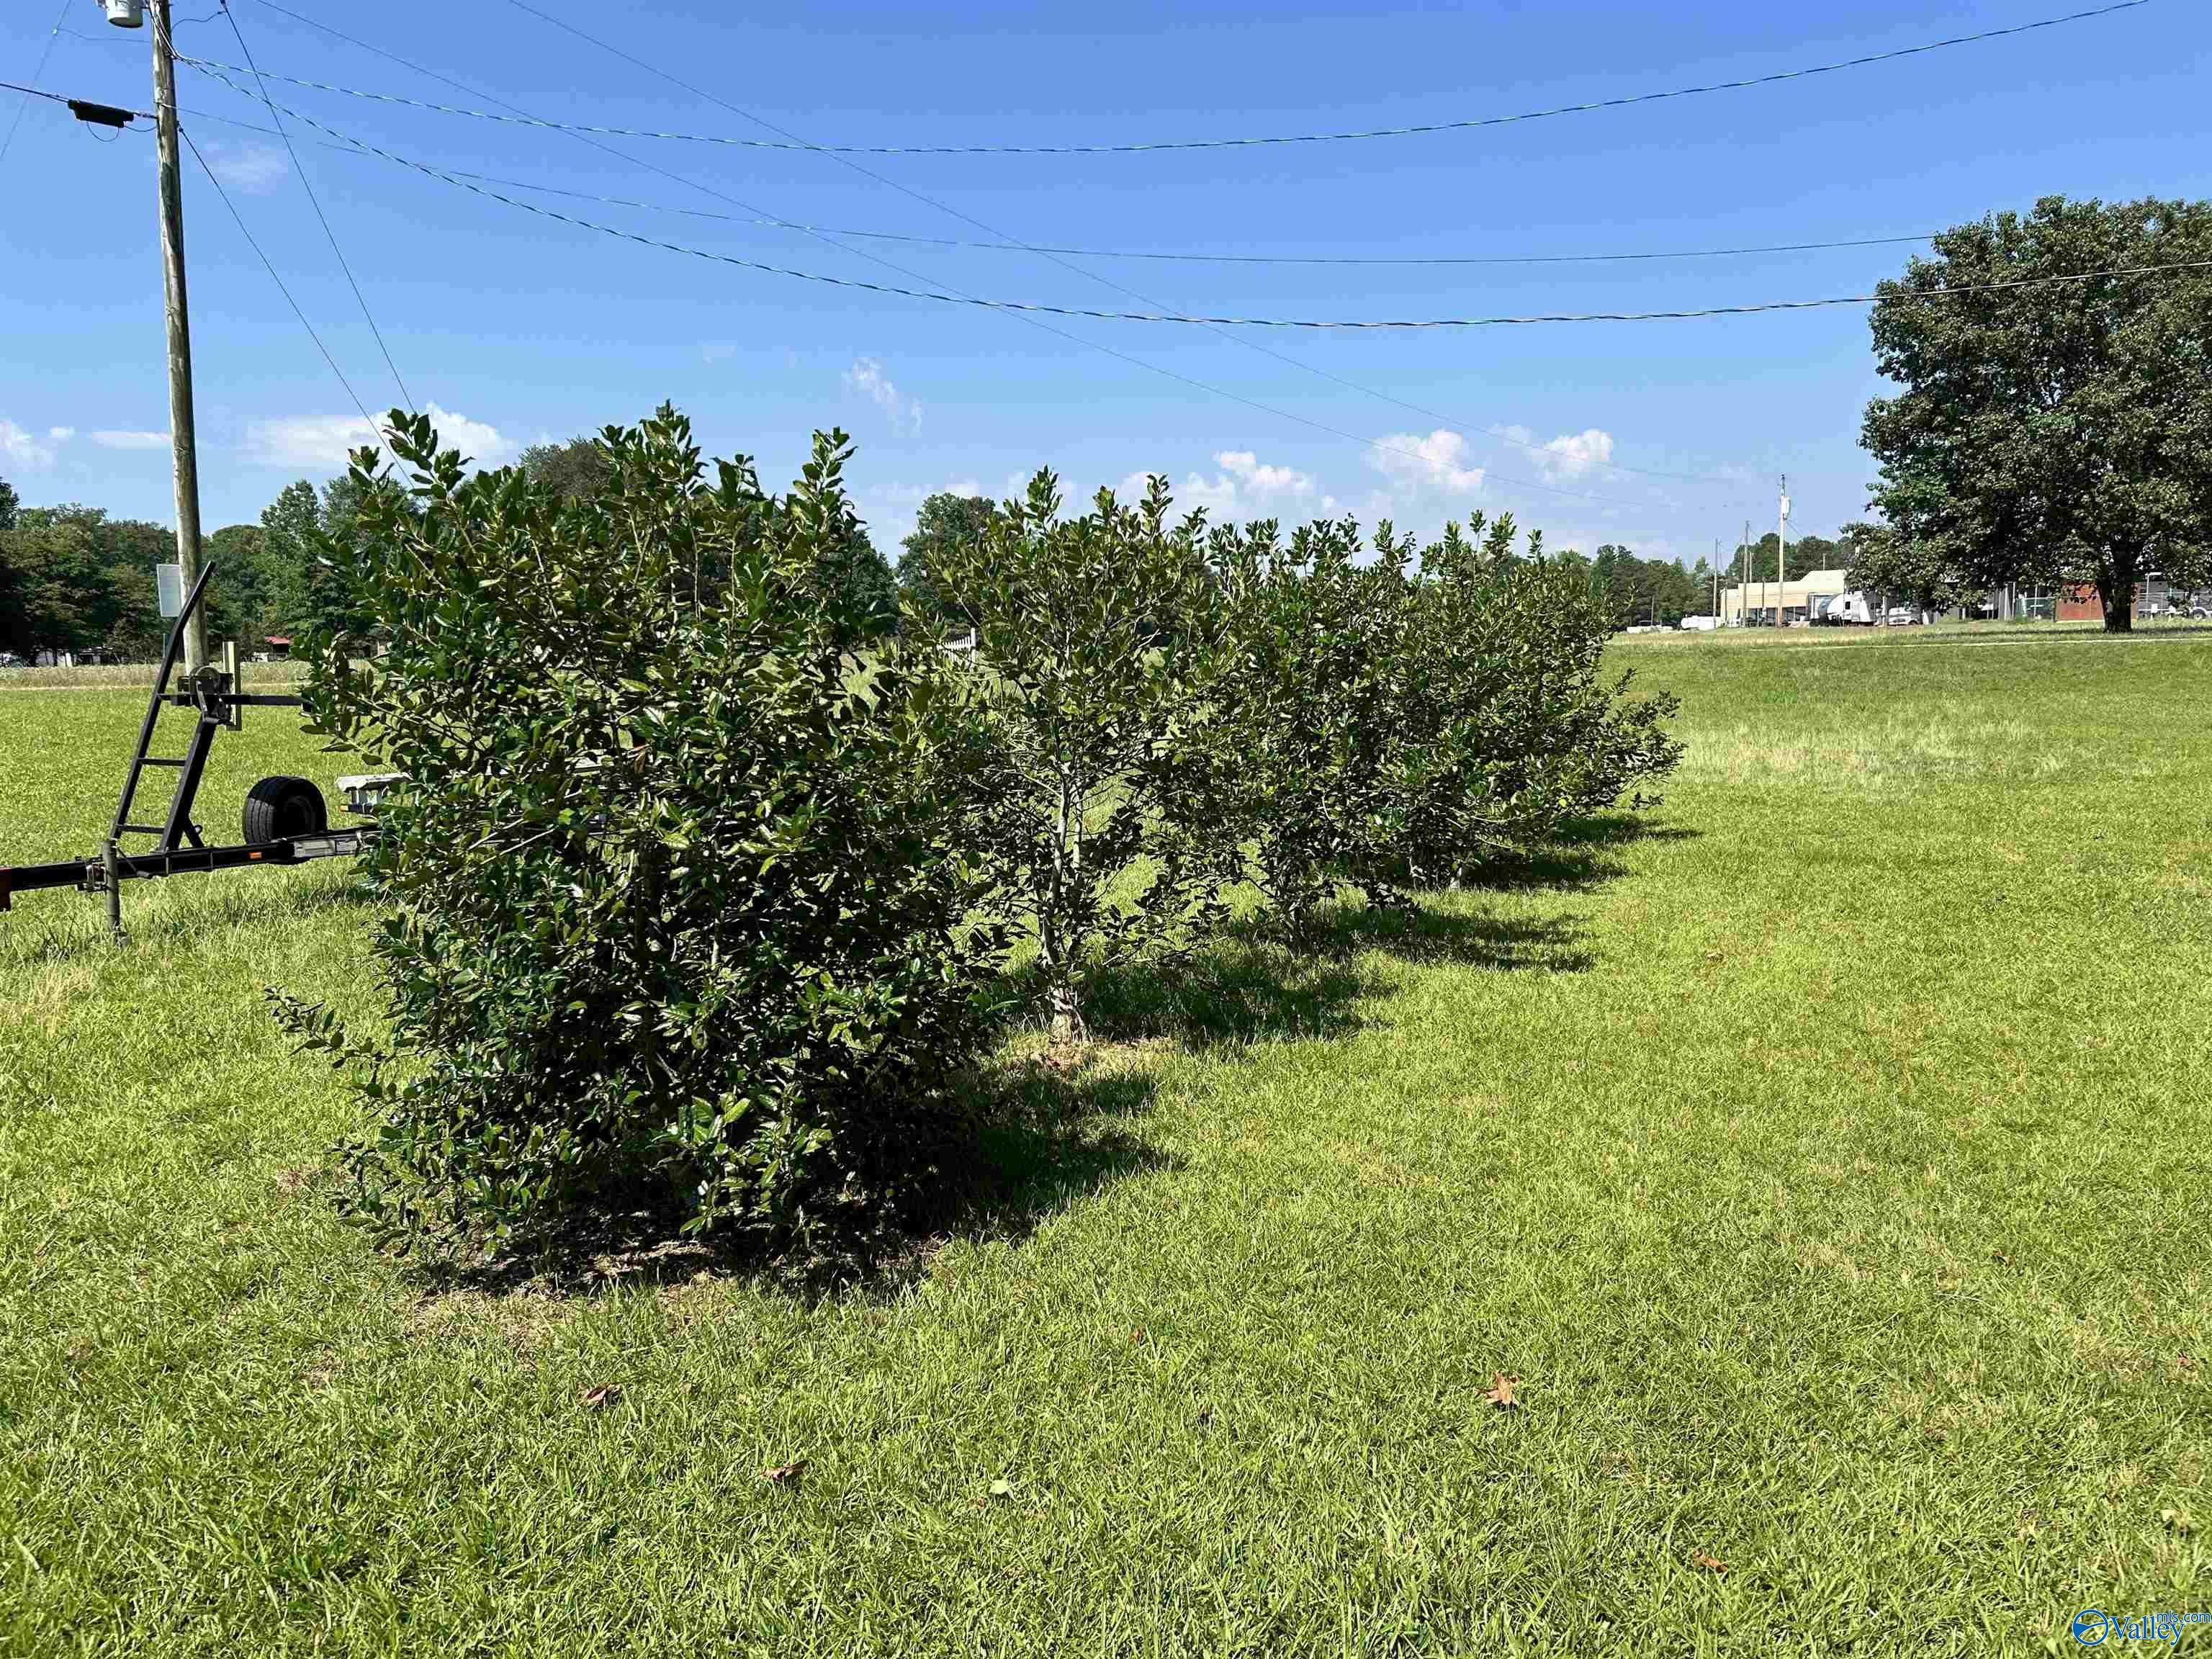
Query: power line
406 396
32 91
828 232
1212 325
770 222
831 237
830 240
1336 324
1157 145
1033 322
239 221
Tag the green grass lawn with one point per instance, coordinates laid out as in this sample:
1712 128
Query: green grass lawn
1830 1164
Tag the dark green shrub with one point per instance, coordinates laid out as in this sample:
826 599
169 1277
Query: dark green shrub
1371 727
1305 721
1513 726
1093 781
676 892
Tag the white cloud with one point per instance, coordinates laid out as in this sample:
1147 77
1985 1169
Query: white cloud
1259 479
1574 455
321 443
19 448
866 375
1245 488
112 439
1218 497
253 169
1435 462
61 435
1570 455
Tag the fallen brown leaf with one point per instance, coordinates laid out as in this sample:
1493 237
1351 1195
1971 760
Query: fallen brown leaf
786 1475
1708 1562
2185 1362
1500 1392
604 1395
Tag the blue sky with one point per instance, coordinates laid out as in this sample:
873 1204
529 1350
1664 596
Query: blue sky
516 328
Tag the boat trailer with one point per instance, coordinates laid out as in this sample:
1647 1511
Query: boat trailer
285 821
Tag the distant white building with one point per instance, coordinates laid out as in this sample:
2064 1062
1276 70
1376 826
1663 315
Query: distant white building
1755 603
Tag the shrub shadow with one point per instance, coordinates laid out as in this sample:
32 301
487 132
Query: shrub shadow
1035 1135
1423 934
1047 1130
1236 989
1026 1140
1579 858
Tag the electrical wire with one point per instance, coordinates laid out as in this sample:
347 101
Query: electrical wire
32 91
1158 145
1375 444
1310 323
1211 325
237 219
827 233
361 299
830 240
831 236
1184 256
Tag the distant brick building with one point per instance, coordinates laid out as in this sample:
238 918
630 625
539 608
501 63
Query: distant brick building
2080 604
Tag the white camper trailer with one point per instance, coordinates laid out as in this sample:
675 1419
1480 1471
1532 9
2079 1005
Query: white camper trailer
1850 610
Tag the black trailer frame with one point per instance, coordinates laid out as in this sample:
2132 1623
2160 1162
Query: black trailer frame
179 848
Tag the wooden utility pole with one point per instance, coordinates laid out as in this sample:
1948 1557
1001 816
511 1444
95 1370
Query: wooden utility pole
1743 588
1781 545
181 329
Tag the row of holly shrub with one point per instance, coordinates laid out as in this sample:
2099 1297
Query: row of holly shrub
686 903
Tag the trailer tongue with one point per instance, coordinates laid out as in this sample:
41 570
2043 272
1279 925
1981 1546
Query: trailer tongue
285 821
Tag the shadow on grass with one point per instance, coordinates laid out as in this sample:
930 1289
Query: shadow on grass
1580 859
1035 1135
1237 989
63 927
1548 944
1028 1140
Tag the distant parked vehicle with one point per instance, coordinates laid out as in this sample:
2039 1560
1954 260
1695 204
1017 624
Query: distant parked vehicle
1849 610
1699 624
1899 615
9 659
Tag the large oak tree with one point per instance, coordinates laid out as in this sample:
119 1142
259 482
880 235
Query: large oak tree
2055 431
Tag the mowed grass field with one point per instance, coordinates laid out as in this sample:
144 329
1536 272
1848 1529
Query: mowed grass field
1830 1162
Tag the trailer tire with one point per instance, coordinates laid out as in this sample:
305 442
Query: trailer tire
279 808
